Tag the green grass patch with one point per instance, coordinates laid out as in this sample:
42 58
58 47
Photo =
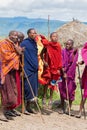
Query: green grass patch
56 95
77 95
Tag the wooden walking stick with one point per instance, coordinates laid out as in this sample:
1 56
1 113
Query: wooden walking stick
80 82
48 26
33 94
23 106
67 95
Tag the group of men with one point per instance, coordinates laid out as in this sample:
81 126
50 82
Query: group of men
58 71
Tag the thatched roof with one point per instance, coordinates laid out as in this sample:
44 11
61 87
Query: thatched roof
73 30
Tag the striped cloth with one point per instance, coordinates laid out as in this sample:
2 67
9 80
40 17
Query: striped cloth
8 56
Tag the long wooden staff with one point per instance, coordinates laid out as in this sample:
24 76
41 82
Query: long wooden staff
32 92
23 106
48 26
67 95
80 82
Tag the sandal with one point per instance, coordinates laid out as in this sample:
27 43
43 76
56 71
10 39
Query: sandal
78 116
3 118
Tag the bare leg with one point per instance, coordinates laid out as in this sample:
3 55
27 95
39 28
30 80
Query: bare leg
70 104
62 110
82 105
50 100
69 111
30 106
51 95
62 104
2 116
45 91
44 95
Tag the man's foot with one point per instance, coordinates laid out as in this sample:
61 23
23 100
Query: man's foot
66 105
31 111
79 115
9 113
26 112
61 111
16 112
33 99
70 114
9 117
3 118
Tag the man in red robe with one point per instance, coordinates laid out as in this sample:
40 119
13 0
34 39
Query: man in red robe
52 59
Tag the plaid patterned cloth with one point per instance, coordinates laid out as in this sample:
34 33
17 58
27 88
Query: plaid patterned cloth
8 56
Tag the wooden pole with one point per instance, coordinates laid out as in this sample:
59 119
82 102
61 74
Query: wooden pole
24 73
33 95
23 106
67 94
48 27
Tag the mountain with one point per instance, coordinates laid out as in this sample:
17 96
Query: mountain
23 24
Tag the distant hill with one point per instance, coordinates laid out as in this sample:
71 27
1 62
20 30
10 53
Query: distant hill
23 24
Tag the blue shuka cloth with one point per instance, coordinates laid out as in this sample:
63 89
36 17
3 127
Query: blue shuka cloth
30 67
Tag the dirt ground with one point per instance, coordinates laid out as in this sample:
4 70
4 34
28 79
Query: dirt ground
52 121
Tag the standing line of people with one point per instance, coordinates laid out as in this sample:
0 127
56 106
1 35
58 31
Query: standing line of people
59 71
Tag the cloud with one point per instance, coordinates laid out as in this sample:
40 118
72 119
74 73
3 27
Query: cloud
57 9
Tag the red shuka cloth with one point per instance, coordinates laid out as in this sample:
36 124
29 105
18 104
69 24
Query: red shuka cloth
54 60
18 84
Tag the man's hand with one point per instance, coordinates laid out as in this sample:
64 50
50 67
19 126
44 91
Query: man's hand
80 63
59 72
19 49
2 80
45 63
42 37
75 51
65 76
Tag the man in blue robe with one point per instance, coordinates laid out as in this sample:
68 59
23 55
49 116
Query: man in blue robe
31 68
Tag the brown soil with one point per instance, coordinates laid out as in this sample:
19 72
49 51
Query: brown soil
52 121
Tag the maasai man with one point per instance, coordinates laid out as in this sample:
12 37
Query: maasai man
69 59
9 64
52 59
31 68
11 109
84 79
20 37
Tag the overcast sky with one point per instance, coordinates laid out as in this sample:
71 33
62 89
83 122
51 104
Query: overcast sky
57 9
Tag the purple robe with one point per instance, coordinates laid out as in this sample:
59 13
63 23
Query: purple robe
84 82
69 60
84 75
